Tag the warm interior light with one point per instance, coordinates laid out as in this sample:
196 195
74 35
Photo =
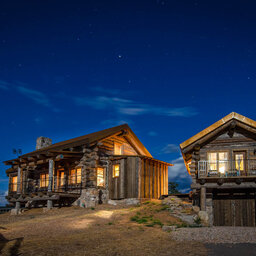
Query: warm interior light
118 149
222 169
14 183
116 170
100 177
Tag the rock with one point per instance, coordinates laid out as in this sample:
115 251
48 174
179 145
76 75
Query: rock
28 204
188 219
168 228
112 202
15 211
131 201
204 217
196 209
127 201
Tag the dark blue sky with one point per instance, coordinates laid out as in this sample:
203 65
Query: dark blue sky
167 68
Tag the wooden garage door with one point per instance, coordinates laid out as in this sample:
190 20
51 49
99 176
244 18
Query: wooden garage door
234 212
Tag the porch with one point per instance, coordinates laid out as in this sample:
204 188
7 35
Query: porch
227 168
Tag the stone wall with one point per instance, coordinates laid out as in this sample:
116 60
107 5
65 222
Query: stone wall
91 194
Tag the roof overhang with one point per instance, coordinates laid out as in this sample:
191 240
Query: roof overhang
216 125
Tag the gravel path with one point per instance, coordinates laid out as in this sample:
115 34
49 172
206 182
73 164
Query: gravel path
216 234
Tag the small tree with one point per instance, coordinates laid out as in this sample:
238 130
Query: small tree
173 187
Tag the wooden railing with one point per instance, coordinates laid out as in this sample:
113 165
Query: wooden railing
226 168
59 185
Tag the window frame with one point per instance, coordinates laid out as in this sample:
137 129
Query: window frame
114 171
77 180
44 180
218 152
121 148
103 176
12 183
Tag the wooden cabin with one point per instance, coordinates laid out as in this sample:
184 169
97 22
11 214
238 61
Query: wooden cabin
222 163
109 164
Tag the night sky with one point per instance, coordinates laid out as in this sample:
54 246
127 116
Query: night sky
167 68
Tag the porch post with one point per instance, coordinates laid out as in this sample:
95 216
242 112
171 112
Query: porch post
18 181
203 198
51 163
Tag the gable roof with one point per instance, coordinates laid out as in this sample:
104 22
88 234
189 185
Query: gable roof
216 125
91 138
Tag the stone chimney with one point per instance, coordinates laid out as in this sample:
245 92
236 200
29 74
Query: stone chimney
43 142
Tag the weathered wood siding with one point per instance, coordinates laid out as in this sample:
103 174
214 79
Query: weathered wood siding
234 211
239 142
108 145
154 179
139 178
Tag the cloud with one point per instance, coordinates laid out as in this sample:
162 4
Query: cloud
36 96
184 190
178 172
170 148
152 133
4 85
129 107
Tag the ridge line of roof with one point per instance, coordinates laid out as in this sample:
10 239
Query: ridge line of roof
217 124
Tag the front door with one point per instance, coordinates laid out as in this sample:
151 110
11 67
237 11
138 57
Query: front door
116 180
240 162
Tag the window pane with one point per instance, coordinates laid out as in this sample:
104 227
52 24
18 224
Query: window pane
43 180
118 149
47 180
78 175
73 176
62 180
239 162
14 183
212 159
116 170
100 177
223 156
223 163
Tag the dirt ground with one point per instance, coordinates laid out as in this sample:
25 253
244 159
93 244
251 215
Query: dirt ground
104 230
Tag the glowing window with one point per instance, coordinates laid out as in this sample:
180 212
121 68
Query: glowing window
118 149
78 175
100 177
218 161
14 180
239 158
44 180
116 170
75 176
62 178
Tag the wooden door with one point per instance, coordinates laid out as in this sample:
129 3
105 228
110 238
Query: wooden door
234 212
114 181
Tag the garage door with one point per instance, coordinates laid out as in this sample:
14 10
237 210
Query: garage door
234 212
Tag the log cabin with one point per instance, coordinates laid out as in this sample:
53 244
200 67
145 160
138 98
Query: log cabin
221 160
109 164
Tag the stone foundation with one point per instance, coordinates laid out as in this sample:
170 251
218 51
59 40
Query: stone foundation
126 201
90 197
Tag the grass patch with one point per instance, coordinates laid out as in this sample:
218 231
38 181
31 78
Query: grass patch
149 221
163 208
